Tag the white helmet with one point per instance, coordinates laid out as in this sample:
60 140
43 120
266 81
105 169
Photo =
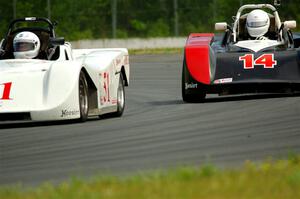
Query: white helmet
26 45
258 23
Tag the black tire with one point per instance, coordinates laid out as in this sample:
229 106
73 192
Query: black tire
195 97
83 97
120 98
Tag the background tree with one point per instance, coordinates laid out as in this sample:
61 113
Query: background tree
91 19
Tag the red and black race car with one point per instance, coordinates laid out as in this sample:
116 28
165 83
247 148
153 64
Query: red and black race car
257 54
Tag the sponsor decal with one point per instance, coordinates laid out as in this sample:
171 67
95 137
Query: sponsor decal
68 113
191 86
265 60
104 88
5 89
222 81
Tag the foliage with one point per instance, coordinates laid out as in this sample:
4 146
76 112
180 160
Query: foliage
92 19
270 179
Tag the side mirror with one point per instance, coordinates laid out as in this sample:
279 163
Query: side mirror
290 24
221 26
57 41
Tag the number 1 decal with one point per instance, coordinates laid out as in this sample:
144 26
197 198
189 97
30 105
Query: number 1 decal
248 61
266 60
6 91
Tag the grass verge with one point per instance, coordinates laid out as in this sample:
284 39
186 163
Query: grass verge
156 51
272 179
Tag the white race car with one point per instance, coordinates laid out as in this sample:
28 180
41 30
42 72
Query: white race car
60 83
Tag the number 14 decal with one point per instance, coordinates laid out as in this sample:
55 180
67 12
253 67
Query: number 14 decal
266 60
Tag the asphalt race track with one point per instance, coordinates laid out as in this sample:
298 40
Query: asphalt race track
157 131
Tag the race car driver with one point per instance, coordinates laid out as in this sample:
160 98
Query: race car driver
26 45
257 24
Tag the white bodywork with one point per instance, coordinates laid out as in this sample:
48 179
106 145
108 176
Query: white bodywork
257 45
48 90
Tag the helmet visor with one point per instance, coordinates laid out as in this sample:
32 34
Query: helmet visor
23 46
257 24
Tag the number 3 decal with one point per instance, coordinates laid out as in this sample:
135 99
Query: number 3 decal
266 60
6 91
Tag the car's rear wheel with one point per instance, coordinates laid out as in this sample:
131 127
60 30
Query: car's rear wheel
83 97
120 98
198 95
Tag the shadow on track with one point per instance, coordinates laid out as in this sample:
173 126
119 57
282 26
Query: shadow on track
29 124
247 97
229 98
165 103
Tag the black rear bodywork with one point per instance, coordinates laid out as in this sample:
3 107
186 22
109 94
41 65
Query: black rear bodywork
225 63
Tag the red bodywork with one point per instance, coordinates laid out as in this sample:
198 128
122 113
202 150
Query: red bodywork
197 56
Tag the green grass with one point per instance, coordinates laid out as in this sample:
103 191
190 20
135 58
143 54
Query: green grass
156 51
271 179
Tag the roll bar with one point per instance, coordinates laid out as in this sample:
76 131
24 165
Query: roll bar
32 19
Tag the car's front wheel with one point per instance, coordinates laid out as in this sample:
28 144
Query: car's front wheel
83 97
